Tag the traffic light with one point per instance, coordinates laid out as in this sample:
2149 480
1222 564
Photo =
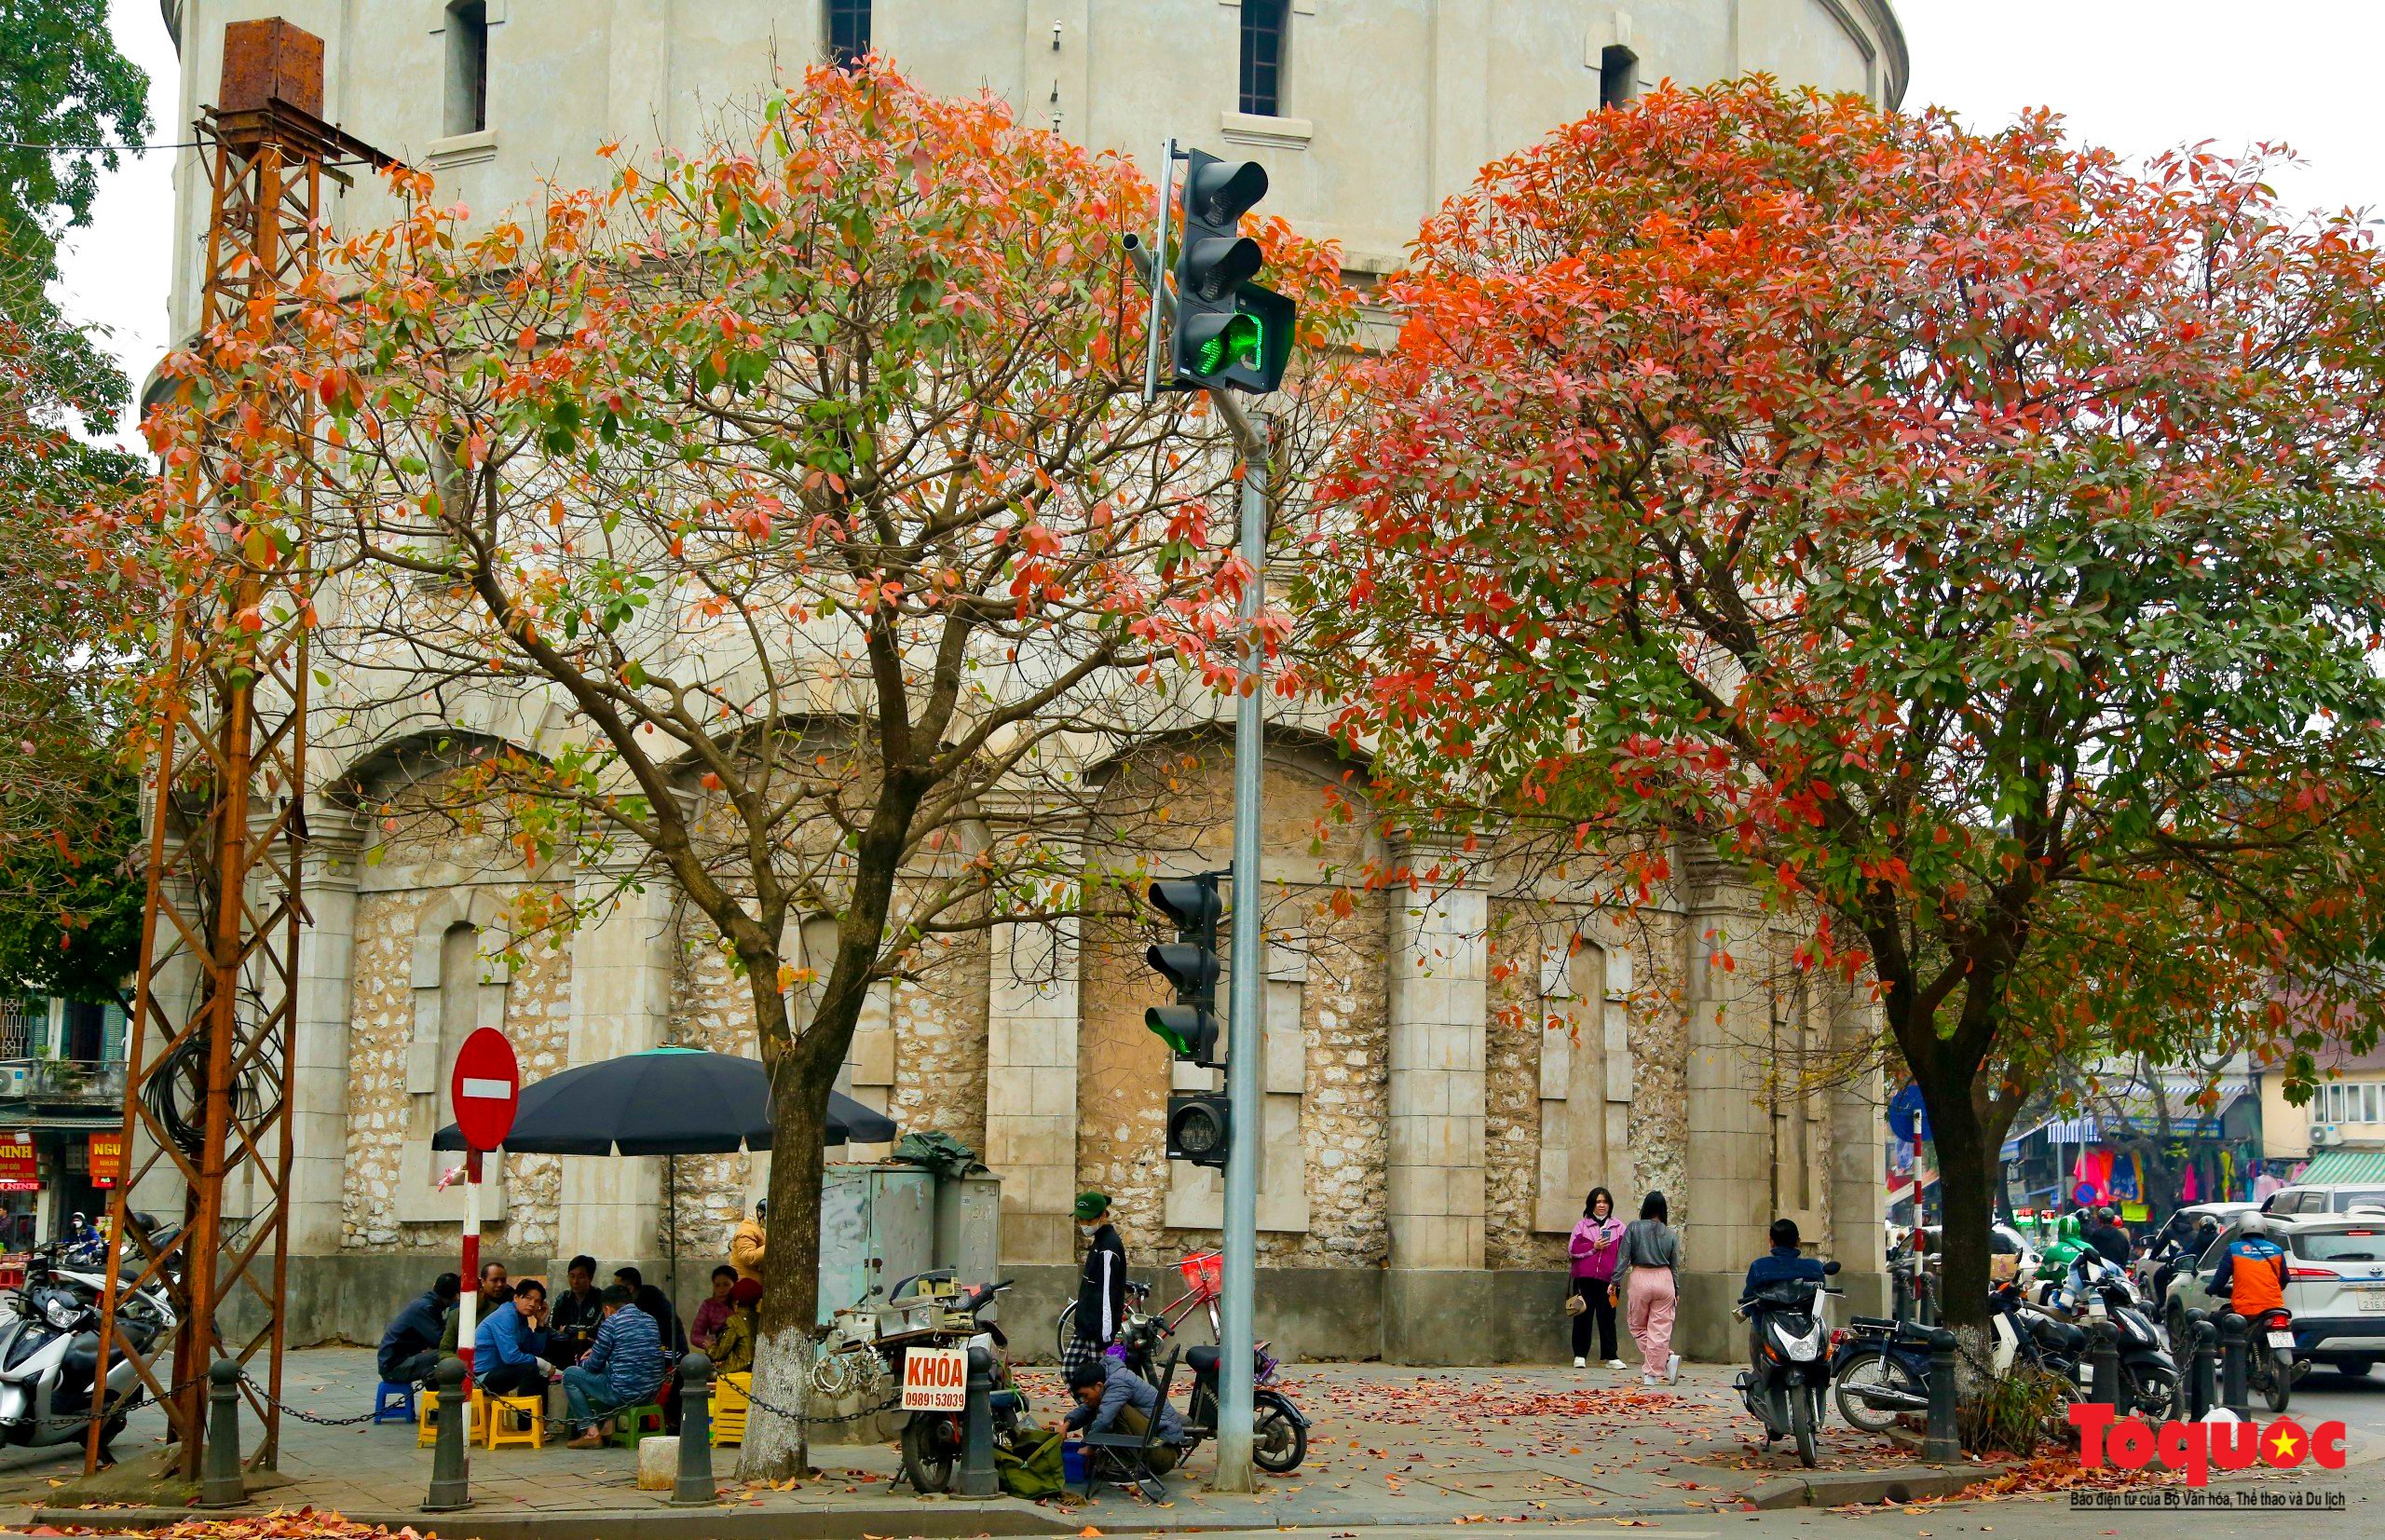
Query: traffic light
1189 1025
1198 1129
1229 330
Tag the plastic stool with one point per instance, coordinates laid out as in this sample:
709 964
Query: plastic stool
427 1419
393 1402
531 1409
732 1400
635 1422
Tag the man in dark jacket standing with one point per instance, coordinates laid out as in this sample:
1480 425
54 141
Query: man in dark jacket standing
2107 1237
410 1348
1102 1292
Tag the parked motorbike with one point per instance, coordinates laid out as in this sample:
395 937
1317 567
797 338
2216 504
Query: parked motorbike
49 1350
1880 1369
86 1279
1278 1427
1792 1333
2149 1375
2270 1367
932 1441
2026 1334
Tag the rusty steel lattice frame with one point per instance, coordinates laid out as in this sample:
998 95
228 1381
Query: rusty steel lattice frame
209 1047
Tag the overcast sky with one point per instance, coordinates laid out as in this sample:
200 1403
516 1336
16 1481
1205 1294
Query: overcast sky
2140 75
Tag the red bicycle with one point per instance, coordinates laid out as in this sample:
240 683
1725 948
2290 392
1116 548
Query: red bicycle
1204 1274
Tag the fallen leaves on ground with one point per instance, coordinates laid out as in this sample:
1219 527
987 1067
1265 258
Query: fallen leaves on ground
280 1524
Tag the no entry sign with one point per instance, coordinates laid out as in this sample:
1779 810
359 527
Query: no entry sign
487 1088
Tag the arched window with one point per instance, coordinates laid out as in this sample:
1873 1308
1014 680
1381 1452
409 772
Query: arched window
459 981
1263 26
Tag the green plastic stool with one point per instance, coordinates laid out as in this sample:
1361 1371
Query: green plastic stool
633 1423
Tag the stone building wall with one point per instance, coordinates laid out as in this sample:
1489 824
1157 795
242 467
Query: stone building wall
415 864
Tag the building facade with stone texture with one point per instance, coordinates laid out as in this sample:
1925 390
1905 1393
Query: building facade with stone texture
1446 1071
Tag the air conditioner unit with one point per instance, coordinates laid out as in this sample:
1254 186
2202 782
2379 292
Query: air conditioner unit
13 1080
2325 1135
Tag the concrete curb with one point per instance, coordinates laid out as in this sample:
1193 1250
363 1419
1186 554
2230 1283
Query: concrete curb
1831 1489
946 1518
955 1519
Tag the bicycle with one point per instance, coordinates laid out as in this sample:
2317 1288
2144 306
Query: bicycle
1200 1272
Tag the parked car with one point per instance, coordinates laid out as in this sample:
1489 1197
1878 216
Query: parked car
2335 1288
2335 1198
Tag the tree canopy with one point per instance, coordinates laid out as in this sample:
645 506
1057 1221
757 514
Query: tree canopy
1974 539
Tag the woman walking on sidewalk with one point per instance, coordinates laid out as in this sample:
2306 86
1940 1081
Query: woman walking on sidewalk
1647 1280
1598 1240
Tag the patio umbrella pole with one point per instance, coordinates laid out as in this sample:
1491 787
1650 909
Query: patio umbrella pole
671 1218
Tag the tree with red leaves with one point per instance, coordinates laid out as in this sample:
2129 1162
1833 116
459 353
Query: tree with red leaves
1974 540
802 481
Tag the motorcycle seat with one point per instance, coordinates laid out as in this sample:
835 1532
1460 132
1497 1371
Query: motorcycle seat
1203 1360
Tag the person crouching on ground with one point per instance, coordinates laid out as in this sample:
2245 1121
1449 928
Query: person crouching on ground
623 1367
1112 1398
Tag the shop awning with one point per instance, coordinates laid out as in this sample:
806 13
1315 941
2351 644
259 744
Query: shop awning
2334 1166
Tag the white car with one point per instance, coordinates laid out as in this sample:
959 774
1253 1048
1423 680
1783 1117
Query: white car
2335 1198
2334 1287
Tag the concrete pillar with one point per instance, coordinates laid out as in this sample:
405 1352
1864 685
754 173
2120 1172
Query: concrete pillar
1437 1001
1724 1213
621 1001
319 1062
1461 64
1032 1022
1858 1173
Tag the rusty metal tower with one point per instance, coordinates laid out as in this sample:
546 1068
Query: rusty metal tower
209 1049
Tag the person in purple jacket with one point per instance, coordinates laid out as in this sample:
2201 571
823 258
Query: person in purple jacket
1598 1240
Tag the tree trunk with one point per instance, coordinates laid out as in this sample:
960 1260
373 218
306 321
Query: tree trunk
774 1447
1967 1151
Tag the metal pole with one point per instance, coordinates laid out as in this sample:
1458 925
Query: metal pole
468 1324
451 1484
1237 1333
1942 1439
2234 1391
219 1483
978 1478
1151 337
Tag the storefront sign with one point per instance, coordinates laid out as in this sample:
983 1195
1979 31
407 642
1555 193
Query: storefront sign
107 1159
19 1171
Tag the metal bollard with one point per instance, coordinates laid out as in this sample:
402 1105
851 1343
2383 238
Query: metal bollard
2103 1357
2202 1344
1942 1437
451 1486
2234 1391
695 1487
1901 1296
977 1477
219 1476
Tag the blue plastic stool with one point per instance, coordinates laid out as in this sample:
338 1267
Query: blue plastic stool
393 1403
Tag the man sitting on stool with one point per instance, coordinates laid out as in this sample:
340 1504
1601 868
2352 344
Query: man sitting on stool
1112 1398
410 1348
622 1369
510 1348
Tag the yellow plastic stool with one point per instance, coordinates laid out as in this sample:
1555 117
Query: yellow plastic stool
731 1398
426 1432
531 1409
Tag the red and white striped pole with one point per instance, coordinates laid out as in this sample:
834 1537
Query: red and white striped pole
468 1328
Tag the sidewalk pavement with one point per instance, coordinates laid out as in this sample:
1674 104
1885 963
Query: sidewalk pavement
1391 1446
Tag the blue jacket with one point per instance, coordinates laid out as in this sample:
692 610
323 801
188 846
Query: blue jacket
628 1352
1781 1265
500 1340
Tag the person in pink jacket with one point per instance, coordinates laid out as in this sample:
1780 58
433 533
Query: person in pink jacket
1597 1241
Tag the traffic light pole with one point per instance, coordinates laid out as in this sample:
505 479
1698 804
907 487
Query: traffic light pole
1247 975
1247 966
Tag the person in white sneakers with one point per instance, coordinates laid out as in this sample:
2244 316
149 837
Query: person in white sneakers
1647 1282
1597 1242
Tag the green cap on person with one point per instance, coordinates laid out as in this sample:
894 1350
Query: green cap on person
1092 1205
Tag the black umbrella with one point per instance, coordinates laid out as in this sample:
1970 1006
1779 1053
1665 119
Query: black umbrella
665 1102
